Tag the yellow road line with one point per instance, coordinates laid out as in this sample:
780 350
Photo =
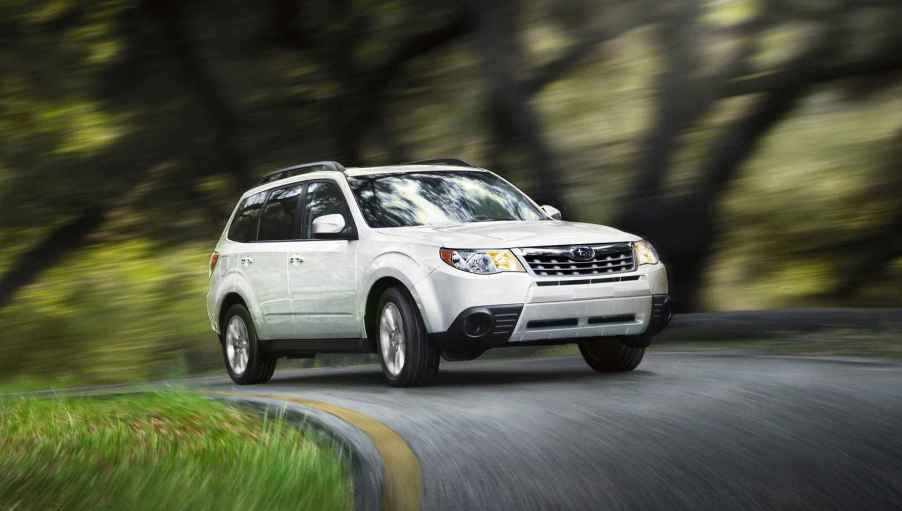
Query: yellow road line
402 487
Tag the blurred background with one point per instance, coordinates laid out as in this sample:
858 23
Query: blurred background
757 143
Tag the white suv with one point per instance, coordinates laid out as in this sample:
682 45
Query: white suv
421 261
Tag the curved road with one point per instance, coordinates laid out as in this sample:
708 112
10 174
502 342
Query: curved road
684 431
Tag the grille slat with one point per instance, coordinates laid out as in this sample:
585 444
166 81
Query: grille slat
505 321
558 261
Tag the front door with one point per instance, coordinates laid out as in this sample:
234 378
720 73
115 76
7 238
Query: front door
322 271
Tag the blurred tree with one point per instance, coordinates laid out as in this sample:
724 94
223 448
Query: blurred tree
685 226
337 38
870 253
98 190
519 138
154 106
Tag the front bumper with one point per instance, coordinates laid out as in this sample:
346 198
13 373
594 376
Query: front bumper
556 323
446 292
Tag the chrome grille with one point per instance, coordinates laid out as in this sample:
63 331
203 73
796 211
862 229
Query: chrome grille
575 260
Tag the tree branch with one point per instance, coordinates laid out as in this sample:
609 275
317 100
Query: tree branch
62 240
553 70
416 46
886 61
365 96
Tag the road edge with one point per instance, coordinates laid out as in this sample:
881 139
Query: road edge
367 469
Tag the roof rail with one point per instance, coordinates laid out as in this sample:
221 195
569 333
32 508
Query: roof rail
297 170
441 161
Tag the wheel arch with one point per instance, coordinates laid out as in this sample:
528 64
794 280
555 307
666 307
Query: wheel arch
370 312
410 274
231 298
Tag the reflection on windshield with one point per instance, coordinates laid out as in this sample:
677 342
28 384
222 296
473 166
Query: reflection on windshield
439 198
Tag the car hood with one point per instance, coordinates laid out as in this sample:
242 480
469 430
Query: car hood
510 234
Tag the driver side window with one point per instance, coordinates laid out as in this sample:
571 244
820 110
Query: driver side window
324 198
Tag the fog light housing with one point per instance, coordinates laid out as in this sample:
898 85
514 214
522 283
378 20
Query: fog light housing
478 324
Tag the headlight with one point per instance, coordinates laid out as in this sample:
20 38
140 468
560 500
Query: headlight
481 261
645 253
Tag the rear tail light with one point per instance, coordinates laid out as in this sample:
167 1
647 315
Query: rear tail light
214 258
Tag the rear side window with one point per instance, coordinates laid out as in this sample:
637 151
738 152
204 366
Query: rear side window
279 220
244 226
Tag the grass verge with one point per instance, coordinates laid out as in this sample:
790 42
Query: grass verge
170 450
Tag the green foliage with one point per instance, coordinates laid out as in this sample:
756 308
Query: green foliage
169 450
116 312
817 182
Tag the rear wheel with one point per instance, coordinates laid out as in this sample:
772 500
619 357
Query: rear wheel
244 360
408 358
610 354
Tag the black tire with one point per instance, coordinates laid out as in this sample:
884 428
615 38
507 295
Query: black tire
421 357
610 354
260 367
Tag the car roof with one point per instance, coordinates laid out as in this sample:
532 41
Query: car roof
359 172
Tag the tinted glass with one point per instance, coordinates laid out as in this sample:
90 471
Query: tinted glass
279 215
244 226
440 198
324 198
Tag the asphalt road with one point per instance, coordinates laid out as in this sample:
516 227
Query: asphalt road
684 431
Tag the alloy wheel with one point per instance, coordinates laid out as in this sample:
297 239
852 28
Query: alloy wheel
237 345
392 339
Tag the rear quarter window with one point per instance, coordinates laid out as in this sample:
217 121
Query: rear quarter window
244 226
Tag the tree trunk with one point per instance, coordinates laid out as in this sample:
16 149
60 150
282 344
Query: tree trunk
677 37
516 125
685 229
688 245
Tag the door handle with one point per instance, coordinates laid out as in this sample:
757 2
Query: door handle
295 259
247 261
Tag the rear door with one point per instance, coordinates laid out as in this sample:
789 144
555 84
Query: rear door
279 228
322 272
245 257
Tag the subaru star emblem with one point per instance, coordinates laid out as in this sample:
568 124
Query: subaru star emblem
581 253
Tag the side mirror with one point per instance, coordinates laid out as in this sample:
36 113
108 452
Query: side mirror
551 211
328 225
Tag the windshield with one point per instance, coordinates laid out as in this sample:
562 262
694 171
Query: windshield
439 198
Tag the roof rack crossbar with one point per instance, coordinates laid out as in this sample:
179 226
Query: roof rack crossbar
297 170
442 161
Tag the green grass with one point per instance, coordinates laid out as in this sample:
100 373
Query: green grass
169 450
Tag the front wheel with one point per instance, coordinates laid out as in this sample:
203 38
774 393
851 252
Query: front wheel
610 354
244 360
408 358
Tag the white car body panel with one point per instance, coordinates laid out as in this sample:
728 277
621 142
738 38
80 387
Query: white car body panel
323 289
267 274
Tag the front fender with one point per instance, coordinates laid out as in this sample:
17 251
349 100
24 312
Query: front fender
415 277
